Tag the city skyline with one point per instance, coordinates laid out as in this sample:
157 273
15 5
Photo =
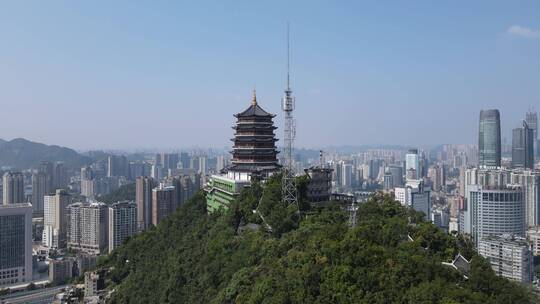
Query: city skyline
152 71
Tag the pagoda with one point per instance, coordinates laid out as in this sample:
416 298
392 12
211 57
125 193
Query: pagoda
254 150
254 156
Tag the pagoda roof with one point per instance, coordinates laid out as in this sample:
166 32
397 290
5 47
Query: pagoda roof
254 110
251 127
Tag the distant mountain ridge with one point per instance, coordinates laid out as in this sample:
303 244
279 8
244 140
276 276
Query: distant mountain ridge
21 153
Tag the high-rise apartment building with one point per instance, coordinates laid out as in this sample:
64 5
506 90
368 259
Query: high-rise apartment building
523 147
346 175
88 227
169 161
13 188
60 177
509 256
489 139
15 244
185 160
55 219
122 223
221 163
202 165
143 200
41 186
117 166
164 203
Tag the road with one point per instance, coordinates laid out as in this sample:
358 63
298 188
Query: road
37 296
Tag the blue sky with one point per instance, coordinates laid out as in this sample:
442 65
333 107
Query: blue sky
167 74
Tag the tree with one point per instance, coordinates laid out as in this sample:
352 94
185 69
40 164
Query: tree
196 257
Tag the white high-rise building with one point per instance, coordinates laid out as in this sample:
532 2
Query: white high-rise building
157 172
122 223
88 227
55 219
15 244
533 235
494 211
416 196
500 178
202 165
221 163
346 175
530 182
510 257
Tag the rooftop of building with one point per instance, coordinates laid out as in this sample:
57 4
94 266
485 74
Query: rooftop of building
88 205
507 238
123 204
13 206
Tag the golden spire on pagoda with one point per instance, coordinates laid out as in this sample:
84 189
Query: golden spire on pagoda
254 98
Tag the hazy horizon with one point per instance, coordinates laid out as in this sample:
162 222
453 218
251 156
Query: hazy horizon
123 75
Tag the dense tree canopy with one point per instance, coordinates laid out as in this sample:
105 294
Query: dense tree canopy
195 257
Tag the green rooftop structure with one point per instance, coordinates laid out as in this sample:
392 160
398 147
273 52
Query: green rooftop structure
222 190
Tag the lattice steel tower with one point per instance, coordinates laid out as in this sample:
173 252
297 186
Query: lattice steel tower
288 187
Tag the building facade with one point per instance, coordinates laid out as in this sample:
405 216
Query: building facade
510 256
41 186
164 203
531 118
143 199
13 188
494 211
15 244
523 147
61 270
416 196
533 236
88 227
122 223
55 219
489 139
412 164
319 188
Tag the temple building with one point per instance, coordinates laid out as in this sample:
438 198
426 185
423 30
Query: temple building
254 156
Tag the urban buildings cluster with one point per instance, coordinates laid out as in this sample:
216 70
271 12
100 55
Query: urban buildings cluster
489 192
53 216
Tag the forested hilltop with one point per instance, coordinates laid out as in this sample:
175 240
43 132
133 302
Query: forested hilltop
195 257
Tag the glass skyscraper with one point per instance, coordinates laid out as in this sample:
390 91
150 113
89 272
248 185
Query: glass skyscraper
522 147
532 121
489 139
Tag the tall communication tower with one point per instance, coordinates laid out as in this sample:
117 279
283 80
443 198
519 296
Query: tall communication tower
288 188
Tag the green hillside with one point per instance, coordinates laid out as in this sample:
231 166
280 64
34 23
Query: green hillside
194 257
